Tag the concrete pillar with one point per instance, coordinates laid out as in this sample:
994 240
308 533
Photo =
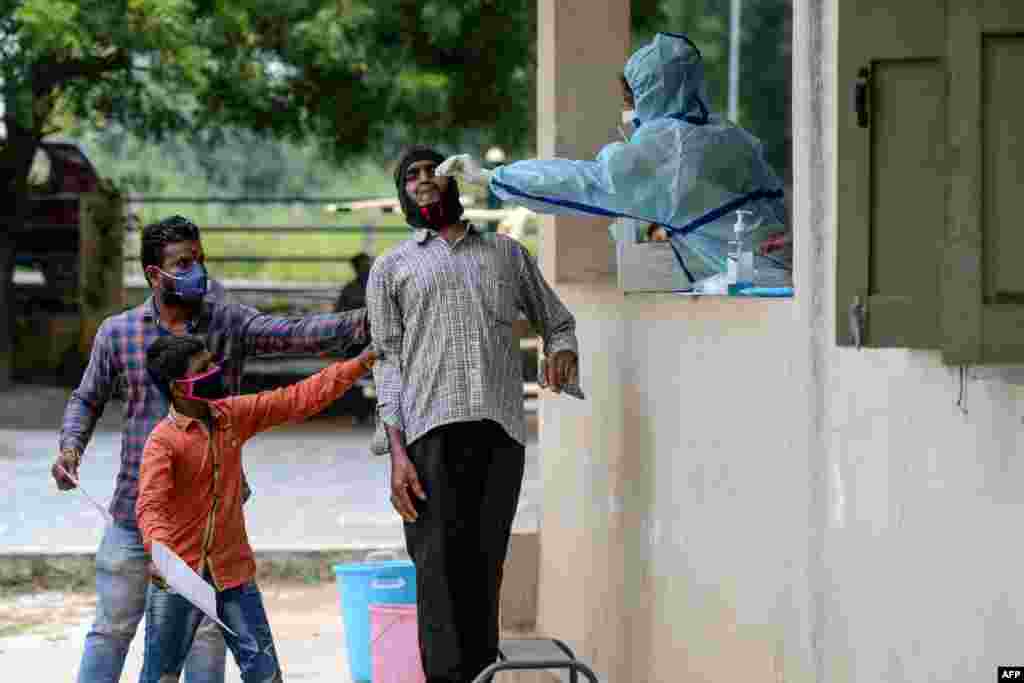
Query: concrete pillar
582 47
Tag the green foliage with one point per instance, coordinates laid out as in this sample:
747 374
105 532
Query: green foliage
62 30
358 76
227 162
766 72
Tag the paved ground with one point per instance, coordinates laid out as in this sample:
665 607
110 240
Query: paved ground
47 643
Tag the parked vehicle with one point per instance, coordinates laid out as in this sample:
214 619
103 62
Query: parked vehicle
60 175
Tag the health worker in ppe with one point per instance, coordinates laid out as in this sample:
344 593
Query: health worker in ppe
682 167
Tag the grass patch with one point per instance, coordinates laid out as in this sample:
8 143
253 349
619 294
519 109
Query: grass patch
66 573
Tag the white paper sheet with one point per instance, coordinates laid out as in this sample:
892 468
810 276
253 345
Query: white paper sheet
186 583
103 511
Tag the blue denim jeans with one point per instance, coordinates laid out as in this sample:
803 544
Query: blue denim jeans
171 623
121 584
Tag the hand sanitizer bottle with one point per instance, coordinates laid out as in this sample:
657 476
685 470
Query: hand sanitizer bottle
741 257
732 263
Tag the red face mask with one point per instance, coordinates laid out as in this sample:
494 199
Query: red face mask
434 215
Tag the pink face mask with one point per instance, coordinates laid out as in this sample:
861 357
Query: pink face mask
208 386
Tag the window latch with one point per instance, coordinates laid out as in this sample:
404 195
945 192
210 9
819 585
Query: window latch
857 313
860 97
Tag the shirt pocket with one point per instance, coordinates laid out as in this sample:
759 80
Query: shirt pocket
501 299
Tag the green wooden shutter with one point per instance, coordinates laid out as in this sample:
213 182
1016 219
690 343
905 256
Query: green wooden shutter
983 294
892 171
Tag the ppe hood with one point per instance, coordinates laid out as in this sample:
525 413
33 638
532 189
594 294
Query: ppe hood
667 79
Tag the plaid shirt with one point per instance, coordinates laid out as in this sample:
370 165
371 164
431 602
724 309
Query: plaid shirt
441 317
232 332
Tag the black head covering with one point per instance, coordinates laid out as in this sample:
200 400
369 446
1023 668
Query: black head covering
450 206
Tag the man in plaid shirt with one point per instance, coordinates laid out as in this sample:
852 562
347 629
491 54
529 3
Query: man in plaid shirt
172 261
450 398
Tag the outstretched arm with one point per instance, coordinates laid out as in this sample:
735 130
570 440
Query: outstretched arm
258 412
327 332
611 185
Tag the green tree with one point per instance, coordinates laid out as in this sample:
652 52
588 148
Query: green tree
158 66
767 77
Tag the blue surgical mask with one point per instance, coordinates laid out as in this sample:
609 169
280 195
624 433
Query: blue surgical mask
190 285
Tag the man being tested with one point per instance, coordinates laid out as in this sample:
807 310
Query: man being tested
450 397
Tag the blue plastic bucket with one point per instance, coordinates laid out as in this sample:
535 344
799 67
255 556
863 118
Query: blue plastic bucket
391 582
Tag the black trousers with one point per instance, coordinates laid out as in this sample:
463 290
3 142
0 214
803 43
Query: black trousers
472 473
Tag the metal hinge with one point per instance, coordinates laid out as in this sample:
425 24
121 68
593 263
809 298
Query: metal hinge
858 313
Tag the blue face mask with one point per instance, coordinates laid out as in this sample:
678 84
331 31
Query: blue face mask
188 286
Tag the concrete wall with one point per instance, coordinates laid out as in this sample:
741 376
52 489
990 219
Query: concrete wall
920 504
674 533
740 499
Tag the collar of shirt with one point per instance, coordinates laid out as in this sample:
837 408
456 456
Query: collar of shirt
184 422
150 312
423 235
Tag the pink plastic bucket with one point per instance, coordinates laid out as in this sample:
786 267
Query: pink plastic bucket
395 644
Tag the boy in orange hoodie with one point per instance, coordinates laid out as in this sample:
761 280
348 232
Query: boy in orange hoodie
190 498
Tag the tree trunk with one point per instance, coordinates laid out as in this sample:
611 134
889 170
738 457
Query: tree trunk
6 310
15 163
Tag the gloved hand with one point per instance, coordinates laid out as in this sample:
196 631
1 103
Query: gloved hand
466 168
